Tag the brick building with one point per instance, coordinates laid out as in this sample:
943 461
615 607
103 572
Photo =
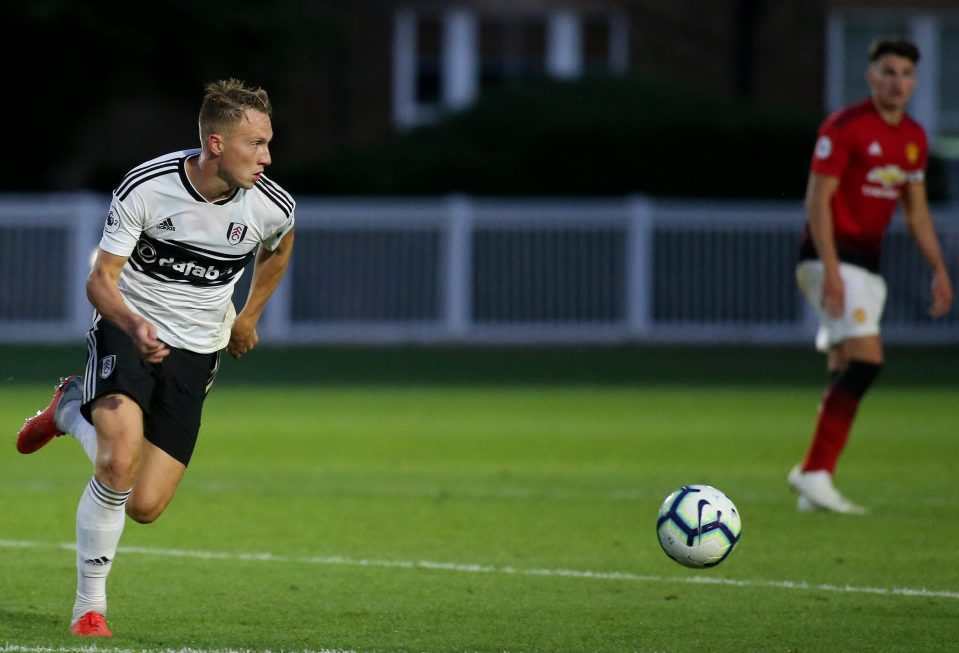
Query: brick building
802 53
351 72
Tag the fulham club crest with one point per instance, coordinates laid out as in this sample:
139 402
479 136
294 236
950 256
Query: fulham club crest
107 363
235 233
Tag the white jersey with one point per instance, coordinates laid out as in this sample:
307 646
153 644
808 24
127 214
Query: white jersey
185 253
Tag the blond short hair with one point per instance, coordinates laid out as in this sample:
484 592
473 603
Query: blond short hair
225 104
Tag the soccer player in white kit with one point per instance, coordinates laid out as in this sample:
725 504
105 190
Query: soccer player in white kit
179 232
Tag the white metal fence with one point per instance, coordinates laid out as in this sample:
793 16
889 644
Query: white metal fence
461 269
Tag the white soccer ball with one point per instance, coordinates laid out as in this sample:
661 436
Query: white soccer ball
698 526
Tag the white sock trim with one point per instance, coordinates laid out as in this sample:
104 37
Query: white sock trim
105 497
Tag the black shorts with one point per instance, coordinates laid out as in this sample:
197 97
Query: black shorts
170 392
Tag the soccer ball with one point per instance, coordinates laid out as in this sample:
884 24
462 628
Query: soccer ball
698 526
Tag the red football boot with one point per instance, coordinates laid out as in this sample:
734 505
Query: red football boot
92 624
42 427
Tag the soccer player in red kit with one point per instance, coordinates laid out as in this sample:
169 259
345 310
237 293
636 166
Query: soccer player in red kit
869 157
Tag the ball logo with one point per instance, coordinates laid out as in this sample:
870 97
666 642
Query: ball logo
859 315
235 233
113 223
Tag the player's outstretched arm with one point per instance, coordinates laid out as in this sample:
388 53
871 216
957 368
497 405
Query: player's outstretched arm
921 227
104 293
268 270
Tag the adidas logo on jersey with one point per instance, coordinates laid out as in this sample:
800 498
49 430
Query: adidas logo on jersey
167 225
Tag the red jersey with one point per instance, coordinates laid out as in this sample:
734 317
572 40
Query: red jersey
873 161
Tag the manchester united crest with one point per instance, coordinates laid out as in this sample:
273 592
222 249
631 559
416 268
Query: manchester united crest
912 152
235 233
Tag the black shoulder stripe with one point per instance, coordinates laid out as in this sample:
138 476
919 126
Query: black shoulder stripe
149 165
275 198
272 184
278 193
282 194
137 172
133 183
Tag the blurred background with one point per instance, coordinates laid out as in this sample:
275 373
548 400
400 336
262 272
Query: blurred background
480 172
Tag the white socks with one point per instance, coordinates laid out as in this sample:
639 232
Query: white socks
78 427
100 519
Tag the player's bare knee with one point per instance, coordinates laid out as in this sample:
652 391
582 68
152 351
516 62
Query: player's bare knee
116 471
142 517
144 512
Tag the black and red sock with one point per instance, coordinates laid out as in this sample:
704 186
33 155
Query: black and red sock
836 414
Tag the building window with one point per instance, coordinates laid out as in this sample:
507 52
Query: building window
429 48
597 44
511 50
443 59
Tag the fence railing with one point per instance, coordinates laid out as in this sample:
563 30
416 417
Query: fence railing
461 269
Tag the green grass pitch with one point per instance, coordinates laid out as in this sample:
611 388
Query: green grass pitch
496 507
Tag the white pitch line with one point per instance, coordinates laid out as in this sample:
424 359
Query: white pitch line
493 569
